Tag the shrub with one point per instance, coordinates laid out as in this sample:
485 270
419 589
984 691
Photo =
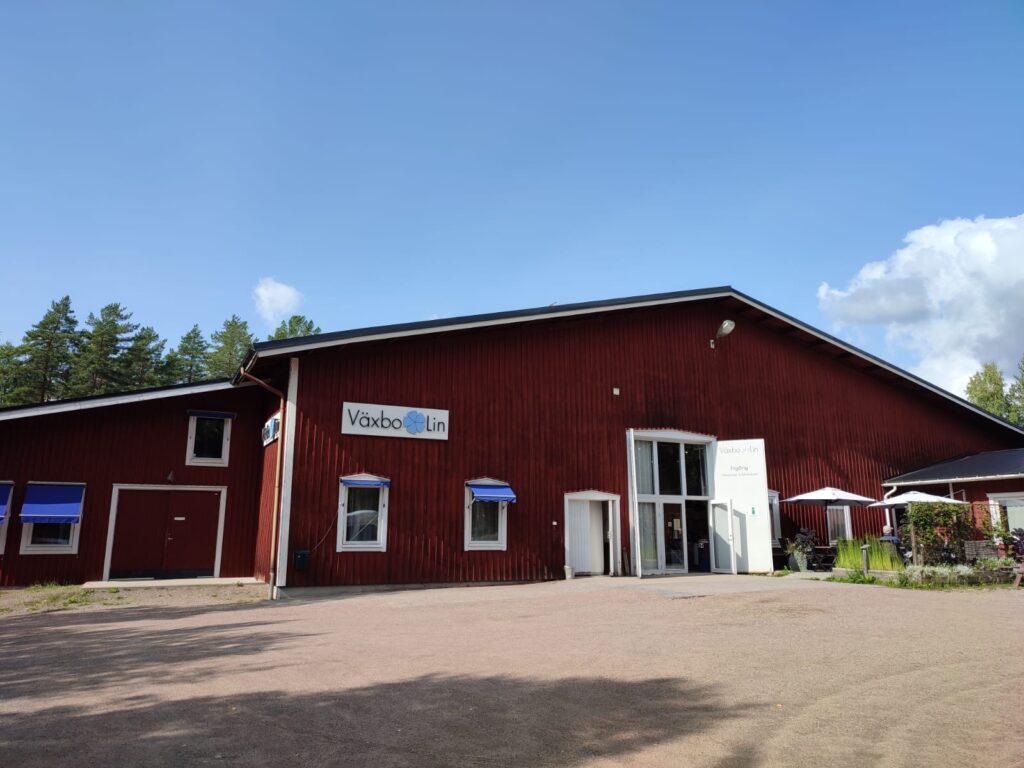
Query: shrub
993 563
940 530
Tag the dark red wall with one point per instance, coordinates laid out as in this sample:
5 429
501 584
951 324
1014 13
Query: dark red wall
133 443
532 404
265 526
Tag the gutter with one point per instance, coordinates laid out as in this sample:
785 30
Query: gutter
276 506
947 480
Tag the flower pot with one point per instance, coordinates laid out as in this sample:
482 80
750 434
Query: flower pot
798 561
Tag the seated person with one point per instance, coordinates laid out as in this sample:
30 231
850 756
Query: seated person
887 535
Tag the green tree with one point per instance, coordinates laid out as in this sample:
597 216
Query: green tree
987 389
192 353
47 355
10 373
296 325
142 363
1015 395
100 368
230 345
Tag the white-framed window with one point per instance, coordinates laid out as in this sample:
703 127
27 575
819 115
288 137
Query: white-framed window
1007 508
773 504
51 518
837 520
6 499
209 438
486 524
363 513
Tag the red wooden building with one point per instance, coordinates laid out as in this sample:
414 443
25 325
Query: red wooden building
627 436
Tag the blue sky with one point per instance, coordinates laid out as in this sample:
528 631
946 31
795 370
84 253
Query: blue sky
405 160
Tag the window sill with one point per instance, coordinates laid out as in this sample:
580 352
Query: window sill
362 548
493 546
206 463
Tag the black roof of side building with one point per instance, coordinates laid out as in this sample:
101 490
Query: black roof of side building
990 465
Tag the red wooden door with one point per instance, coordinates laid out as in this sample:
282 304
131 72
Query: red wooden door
139 533
191 540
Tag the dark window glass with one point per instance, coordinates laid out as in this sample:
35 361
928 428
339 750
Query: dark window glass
362 515
51 533
485 521
696 473
670 475
209 443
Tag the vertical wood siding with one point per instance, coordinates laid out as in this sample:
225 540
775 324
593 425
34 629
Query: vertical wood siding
533 405
132 443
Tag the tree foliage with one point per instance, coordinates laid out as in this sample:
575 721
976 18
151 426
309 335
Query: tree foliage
294 326
987 389
57 359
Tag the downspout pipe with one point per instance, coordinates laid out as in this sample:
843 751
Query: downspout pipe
276 505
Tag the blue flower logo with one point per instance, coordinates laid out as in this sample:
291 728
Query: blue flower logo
415 422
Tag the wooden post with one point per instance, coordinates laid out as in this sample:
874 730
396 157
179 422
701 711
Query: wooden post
913 545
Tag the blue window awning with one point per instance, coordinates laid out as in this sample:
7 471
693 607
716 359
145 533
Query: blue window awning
52 504
366 482
5 499
483 492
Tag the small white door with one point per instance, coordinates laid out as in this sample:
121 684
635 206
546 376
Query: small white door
723 553
584 536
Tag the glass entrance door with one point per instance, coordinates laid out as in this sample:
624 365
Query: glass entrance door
675 537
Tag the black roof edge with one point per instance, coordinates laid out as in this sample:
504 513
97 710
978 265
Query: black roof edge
111 395
555 309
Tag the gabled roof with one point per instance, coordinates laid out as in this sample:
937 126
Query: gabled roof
101 401
990 465
272 349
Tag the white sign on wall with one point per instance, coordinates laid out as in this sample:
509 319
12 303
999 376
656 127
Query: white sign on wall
393 421
742 478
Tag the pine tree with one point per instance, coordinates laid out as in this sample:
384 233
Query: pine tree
192 353
230 345
142 362
100 368
296 325
10 374
987 389
47 355
1015 395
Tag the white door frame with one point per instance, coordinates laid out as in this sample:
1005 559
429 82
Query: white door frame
112 519
715 567
612 512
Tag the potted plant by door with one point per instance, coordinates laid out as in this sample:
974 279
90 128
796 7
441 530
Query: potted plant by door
800 548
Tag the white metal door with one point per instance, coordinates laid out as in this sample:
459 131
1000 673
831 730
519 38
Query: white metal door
723 553
584 536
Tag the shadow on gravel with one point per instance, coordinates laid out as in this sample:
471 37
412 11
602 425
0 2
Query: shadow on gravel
427 721
83 651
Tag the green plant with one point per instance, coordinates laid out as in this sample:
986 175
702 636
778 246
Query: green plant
882 555
782 572
940 530
993 563
43 586
854 577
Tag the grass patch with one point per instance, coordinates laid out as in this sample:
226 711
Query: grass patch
43 586
881 555
57 598
781 572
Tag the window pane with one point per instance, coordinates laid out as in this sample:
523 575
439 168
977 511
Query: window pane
696 473
644 466
670 474
209 443
484 521
836 518
648 536
1013 510
51 533
362 515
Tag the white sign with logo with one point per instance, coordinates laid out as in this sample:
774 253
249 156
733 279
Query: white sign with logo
742 478
394 421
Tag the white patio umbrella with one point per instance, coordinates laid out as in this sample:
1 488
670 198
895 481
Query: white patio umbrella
828 496
915 497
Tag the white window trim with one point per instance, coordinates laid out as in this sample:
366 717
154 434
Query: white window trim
7 517
71 548
993 505
501 544
192 460
847 522
381 545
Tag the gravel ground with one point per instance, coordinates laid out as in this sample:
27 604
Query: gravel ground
696 671
44 598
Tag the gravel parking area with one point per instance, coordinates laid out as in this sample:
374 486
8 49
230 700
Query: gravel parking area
694 671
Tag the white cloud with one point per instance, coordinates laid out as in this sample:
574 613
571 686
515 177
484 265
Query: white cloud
275 301
953 297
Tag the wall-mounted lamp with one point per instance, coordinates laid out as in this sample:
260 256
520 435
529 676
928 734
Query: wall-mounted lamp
727 327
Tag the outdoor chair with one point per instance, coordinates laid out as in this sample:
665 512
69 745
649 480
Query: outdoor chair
979 550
